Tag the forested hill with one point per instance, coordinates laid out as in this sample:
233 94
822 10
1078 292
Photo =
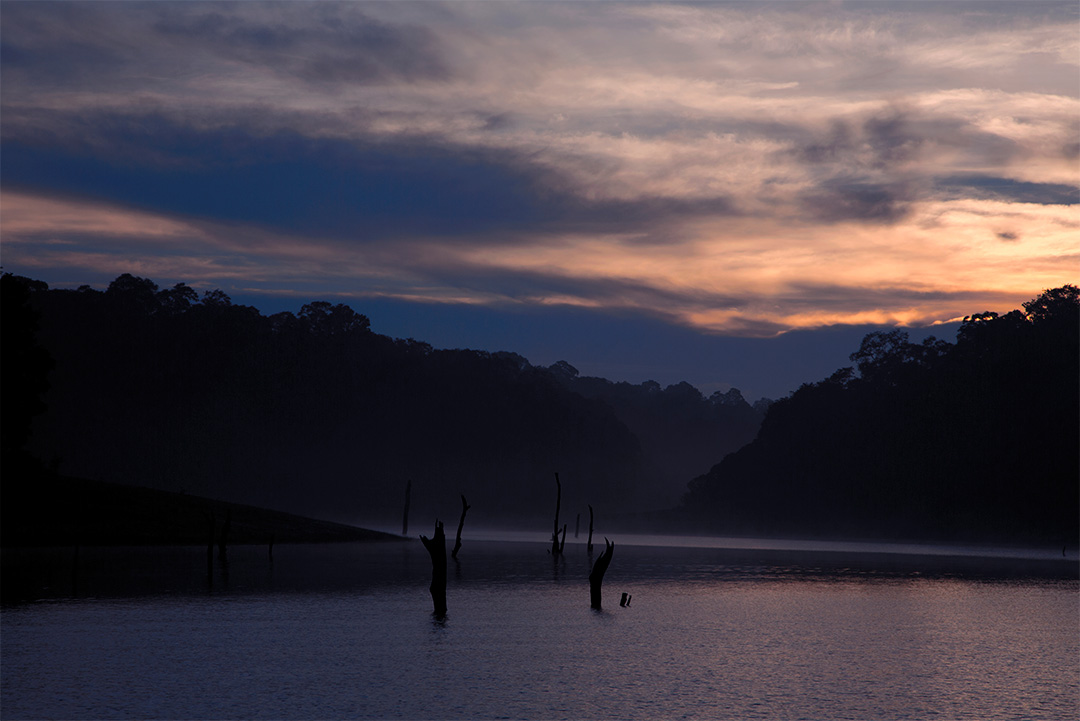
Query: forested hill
682 432
314 413
977 440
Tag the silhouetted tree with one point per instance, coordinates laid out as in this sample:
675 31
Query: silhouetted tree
24 368
977 440
158 387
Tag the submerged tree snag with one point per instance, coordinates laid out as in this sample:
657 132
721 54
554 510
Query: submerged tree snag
555 548
596 578
590 529
461 524
436 548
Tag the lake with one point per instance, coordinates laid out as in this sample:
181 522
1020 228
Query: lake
716 628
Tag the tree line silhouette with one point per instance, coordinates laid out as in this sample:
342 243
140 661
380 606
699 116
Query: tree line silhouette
974 440
315 413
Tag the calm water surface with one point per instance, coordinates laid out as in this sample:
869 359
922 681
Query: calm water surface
777 631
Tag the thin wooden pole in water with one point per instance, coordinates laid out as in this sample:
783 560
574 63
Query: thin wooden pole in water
590 529
558 502
461 524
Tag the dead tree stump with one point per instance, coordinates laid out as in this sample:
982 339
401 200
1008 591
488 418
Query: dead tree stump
558 502
436 548
596 578
461 524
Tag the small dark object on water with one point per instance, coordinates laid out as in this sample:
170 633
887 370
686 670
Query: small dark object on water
625 600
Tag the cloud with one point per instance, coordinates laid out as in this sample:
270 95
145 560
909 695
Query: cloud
997 188
856 199
327 44
716 165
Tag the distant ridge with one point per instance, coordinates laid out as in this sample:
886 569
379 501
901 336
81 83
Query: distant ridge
50 510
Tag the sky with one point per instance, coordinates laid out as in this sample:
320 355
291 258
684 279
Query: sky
730 194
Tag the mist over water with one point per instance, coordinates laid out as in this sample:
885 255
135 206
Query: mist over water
346 631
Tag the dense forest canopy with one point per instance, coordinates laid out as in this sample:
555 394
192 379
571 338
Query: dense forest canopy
313 412
977 439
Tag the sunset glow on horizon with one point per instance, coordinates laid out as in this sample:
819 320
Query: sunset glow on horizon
737 168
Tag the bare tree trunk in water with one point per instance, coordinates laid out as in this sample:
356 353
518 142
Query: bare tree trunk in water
405 514
436 548
558 502
210 549
596 578
461 524
562 543
590 529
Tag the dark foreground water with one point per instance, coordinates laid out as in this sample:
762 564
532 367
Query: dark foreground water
779 631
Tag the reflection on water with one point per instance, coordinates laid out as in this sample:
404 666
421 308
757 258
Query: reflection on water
36 573
345 631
